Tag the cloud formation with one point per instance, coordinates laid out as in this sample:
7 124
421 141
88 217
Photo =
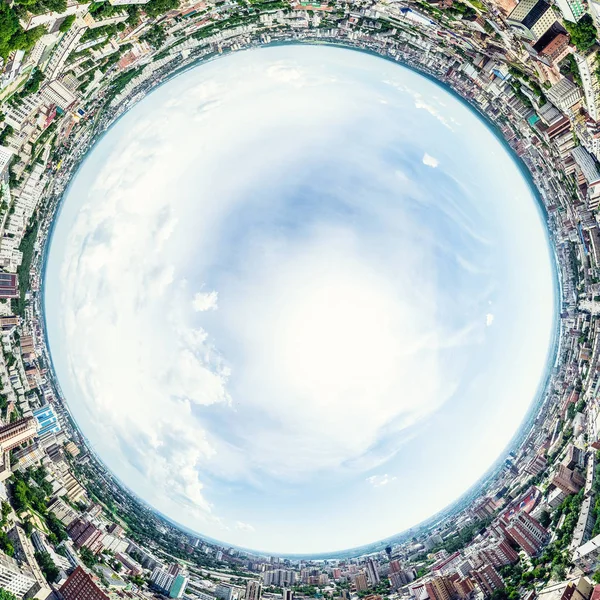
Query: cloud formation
205 301
253 348
380 480
430 161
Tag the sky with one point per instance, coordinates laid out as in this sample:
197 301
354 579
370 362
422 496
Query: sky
299 298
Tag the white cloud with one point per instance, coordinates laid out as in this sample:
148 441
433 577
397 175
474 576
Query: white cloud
336 335
430 161
205 301
489 319
380 480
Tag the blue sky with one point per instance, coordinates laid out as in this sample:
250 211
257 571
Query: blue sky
299 298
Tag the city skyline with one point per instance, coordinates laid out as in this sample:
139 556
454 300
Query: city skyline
309 266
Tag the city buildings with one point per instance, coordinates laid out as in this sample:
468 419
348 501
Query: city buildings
178 586
9 285
17 433
47 420
253 590
372 573
525 531
81 586
532 18
481 59
488 579
226 591
360 582
565 479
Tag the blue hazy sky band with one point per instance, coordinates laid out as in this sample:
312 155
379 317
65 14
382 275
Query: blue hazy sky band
299 298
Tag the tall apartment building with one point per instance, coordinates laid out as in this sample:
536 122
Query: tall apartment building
484 508
279 577
440 588
162 579
178 586
360 582
499 553
226 591
554 49
9 285
536 465
463 585
373 573
525 531
80 586
253 590
17 116
85 535
67 44
395 566
532 18
488 579
13 578
17 433
572 10
6 155
586 64
567 480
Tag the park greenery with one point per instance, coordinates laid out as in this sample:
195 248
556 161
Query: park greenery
88 557
26 247
32 85
583 33
49 569
12 34
67 22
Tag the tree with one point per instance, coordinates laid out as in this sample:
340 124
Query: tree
56 527
88 557
49 569
66 24
156 8
28 527
583 33
4 595
500 594
155 36
6 545
32 85
545 518
133 10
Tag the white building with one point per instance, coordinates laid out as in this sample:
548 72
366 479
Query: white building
13 578
564 94
57 93
67 43
49 18
589 81
587 165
